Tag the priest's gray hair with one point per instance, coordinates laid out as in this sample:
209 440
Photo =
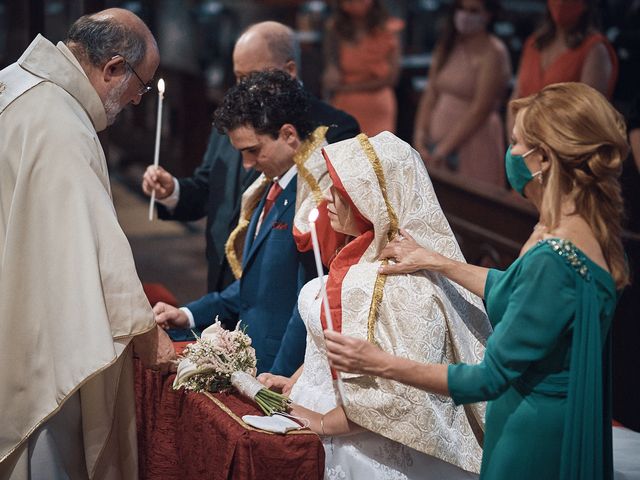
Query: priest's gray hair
98 40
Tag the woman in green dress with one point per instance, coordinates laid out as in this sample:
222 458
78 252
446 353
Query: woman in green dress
545 369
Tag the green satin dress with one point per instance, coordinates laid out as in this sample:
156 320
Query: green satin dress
545 369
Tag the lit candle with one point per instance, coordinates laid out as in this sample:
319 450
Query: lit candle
313 216
156 152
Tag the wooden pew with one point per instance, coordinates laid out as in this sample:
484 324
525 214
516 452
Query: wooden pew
491 224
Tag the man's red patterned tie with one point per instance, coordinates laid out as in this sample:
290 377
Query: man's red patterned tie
274 191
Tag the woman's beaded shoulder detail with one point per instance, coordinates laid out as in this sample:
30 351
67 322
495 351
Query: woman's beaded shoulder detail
570 254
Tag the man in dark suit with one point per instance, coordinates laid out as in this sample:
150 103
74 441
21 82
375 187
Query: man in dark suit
217 185
266 119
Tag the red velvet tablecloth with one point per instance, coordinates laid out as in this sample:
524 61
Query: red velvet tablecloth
186 435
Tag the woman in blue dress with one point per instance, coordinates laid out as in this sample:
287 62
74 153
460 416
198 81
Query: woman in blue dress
545 369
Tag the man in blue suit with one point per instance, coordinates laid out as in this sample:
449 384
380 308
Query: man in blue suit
216 186
266 119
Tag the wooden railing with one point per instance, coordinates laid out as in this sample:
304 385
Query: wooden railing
490 223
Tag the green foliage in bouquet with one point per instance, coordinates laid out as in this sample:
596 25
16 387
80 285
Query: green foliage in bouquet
271 402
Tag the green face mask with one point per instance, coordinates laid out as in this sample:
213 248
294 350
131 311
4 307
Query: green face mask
517 171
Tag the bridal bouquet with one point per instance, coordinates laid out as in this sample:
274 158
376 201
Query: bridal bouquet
221 359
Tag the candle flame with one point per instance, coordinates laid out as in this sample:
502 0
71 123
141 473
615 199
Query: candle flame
161 86
313 215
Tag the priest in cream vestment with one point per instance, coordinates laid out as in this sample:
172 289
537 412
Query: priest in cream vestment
70 298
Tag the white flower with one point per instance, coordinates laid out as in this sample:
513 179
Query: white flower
208 363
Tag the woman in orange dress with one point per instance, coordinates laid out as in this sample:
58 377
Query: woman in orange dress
362 51
458 124
567 48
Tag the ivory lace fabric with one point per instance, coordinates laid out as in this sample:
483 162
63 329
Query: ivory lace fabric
366 455
422 316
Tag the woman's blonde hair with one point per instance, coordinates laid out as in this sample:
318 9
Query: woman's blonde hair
585 140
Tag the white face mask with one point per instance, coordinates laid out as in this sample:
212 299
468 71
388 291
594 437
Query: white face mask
468 23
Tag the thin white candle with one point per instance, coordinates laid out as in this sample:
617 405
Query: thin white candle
313 216
156 151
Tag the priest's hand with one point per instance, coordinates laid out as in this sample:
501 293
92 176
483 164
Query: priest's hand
158 179
352 355
168 316
155 350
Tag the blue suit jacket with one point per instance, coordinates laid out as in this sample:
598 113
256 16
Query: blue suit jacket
273 272
215 188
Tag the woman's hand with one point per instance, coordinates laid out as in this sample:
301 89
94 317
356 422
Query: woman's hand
431 158
438 159
426 156
277 382
352 355
409 256
310 416
420 144
334 422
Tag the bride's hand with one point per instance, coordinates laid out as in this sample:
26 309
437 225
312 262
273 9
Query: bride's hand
408 255
278 383
274 382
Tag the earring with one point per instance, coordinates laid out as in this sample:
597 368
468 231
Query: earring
538 176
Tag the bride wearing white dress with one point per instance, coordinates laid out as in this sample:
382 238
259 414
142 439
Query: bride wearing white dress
383 429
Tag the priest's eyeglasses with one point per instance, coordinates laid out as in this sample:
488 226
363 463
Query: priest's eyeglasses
144 87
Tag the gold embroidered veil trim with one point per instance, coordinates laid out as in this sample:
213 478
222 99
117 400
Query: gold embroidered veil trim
303 154
235 243
378 289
